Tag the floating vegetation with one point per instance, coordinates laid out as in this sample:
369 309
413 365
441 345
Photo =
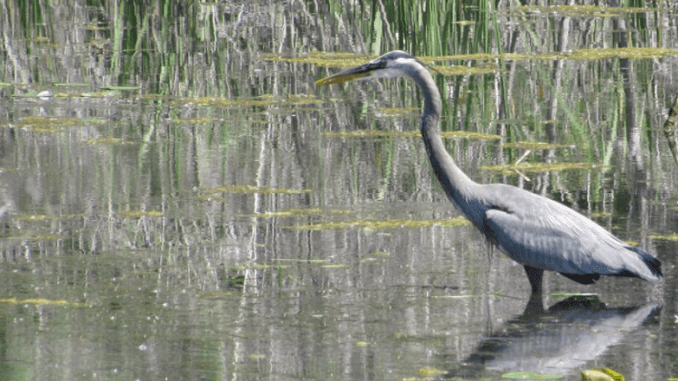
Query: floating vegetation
601 374
42 121
412 134
269 122
578 55
121 88
395 223
369 259
109 141
468 70
362 343
46 94
141 213
632 53
70 84
535 145
396 111
47 123
255 356
42 302
47 237
508 169
487 56
251 189
93 95
261 101
197 120
531 376
466 135
670 237
95 27
430 372
295 213
335 266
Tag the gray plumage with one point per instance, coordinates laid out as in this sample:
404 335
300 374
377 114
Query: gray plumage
535 231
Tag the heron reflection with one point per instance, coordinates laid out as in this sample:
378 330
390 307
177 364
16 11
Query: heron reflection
560 340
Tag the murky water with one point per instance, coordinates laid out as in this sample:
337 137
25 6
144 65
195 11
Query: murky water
179 201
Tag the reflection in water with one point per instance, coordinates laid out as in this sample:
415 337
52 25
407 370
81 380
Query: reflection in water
559 340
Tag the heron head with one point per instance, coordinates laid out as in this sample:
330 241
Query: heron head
392 64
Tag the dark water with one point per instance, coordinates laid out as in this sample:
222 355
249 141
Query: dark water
179 201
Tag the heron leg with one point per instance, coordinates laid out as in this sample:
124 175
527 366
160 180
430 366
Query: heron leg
534 275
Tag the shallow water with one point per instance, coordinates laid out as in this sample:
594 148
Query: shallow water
179 201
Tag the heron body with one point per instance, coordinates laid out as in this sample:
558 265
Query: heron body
537 232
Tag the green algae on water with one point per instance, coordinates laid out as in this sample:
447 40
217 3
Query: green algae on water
118 141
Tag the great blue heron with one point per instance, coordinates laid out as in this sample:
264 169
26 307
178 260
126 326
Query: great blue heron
534 231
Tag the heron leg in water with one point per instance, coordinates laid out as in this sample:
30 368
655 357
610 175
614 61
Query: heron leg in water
534 275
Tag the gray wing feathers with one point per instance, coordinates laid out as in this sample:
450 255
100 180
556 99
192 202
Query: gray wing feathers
547 235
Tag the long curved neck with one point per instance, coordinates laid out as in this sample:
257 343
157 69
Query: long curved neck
458 187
